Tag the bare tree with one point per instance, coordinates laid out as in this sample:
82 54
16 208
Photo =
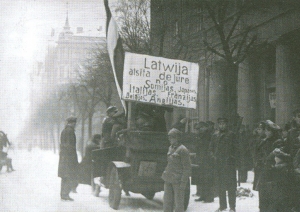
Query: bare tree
233 42
94 85
133 17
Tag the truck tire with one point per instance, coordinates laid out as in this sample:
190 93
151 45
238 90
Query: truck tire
115 189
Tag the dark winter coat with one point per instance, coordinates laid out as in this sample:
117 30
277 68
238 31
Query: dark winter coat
258 160
293 143
280 187
244 151
223 150
107 126
85 167
68 162
267 146
203 159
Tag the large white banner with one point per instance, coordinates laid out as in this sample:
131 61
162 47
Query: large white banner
160 81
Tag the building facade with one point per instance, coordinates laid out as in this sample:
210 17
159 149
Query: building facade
69 52
268 79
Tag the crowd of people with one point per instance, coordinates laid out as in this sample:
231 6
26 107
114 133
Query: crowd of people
273 153
223 157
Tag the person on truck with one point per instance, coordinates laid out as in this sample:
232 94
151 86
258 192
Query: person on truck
107 125
119 125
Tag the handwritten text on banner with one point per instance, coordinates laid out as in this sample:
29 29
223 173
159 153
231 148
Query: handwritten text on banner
160 81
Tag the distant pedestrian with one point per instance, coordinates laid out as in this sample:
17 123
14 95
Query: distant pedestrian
68 162
177 173
4 142
223 150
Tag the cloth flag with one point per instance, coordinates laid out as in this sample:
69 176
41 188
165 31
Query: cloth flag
115 50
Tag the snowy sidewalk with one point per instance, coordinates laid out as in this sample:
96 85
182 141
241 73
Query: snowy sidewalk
35 187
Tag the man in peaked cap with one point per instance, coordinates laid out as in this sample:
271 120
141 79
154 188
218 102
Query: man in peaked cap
111 109
68 162
223 150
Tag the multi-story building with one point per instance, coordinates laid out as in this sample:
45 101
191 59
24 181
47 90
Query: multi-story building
68 53
268 79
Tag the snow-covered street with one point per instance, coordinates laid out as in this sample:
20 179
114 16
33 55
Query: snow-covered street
34 186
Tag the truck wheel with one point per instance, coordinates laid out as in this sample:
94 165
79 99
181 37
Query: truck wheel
187 195
149 195
115 189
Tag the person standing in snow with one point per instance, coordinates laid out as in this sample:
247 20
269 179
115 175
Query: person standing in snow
177 173
68 162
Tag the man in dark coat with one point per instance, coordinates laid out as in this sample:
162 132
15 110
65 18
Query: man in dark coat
223 149
68 162
107 125
205 186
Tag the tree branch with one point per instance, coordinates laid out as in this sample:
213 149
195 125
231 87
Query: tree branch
213 50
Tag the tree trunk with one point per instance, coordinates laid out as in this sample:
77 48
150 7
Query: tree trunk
81 148
231 92
90 126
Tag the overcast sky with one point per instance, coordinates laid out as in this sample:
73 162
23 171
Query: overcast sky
25 26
